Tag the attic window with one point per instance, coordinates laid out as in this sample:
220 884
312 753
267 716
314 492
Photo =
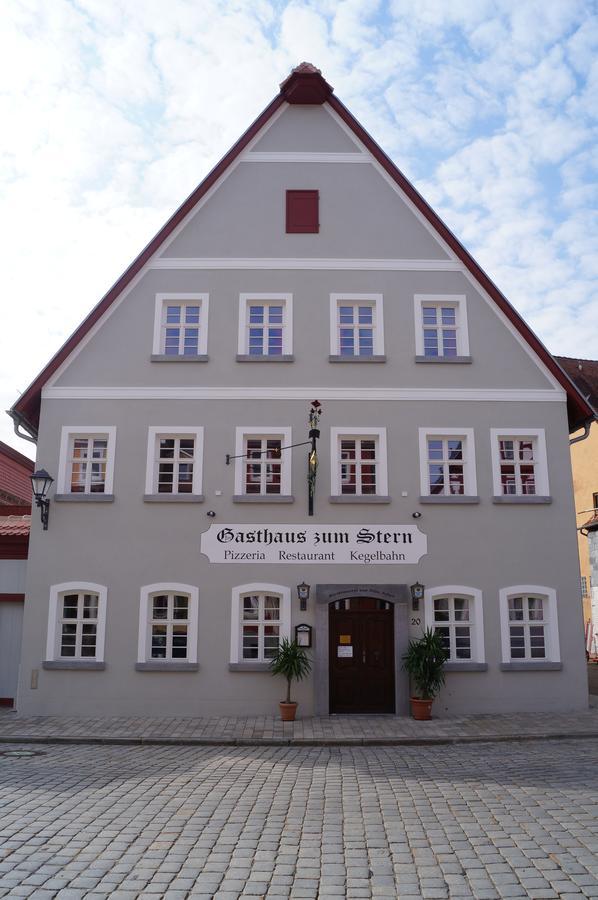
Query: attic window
303 212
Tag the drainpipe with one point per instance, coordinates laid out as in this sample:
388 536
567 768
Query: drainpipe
30 433
586 432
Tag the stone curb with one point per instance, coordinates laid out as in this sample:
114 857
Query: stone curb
157 740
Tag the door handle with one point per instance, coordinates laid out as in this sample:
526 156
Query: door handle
363 656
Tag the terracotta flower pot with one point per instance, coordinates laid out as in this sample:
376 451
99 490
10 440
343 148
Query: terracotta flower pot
287 711
421 709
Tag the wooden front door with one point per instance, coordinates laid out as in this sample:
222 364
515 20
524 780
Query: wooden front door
361 656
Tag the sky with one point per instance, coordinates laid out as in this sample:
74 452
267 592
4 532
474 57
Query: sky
113 111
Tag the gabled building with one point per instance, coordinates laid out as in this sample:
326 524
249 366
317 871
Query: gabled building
304 267
15 517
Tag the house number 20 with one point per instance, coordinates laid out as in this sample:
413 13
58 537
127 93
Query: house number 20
415 621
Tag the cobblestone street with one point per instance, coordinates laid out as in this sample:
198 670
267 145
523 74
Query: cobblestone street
483 821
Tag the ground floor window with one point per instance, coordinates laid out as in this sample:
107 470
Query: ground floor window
529 629
456 614
261 617
76 622
168 618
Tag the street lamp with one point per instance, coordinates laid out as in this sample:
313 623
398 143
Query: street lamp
417 594
303 590
40 485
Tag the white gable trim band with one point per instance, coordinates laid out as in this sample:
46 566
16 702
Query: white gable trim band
407 265
301 393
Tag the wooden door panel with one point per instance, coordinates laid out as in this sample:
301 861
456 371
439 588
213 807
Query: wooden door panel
364 681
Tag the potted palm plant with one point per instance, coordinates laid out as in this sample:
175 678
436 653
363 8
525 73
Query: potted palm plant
292 662
424 660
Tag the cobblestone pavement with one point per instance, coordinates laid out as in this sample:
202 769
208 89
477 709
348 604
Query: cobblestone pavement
308 730
484 821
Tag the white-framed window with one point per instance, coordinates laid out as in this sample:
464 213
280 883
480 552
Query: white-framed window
356 325
447 462
529 630
174 460
86 463
441 326
76 622
260 618
358 462
456 613
262 467
168 619
519 466
181 325
265 325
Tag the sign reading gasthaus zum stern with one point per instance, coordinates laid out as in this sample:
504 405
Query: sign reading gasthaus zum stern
340 544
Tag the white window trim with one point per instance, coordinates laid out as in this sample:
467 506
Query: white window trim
470 485
478 651
63 485
53 637
157 431
551 631
286 301
241 433
236 633
459 301
167 587
536 434
374 300
203 300
336 434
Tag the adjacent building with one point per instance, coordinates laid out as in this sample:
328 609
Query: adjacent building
179 423
584 458
15 509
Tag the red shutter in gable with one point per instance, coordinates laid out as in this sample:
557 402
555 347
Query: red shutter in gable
303 212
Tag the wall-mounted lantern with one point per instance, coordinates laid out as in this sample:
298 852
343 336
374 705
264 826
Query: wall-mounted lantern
417 594
303 590
303 635
40 485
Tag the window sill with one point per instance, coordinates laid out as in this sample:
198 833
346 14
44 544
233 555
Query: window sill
263 498
376 358
282 357
465 667
91 665
529 499
450 360
449 498
83 498
163 357
173 498
249 667
543 666
358 498
166 666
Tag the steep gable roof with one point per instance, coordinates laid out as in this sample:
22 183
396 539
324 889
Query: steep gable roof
584 374
305 85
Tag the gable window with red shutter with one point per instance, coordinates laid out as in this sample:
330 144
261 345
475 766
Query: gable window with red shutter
302 212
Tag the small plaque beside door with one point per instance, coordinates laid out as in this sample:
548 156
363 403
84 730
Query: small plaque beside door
344 638
344 651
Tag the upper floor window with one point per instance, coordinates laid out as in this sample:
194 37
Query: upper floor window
302 212
529 624
76 622
356 326
265 326
86 460
358 462
168 616
519 462
174 461
261 617
263 468
447 462
181 325
441 327
456 614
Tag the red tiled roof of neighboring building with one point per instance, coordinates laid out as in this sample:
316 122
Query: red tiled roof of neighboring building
14 526
15 469
584 372
592 523
305 85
